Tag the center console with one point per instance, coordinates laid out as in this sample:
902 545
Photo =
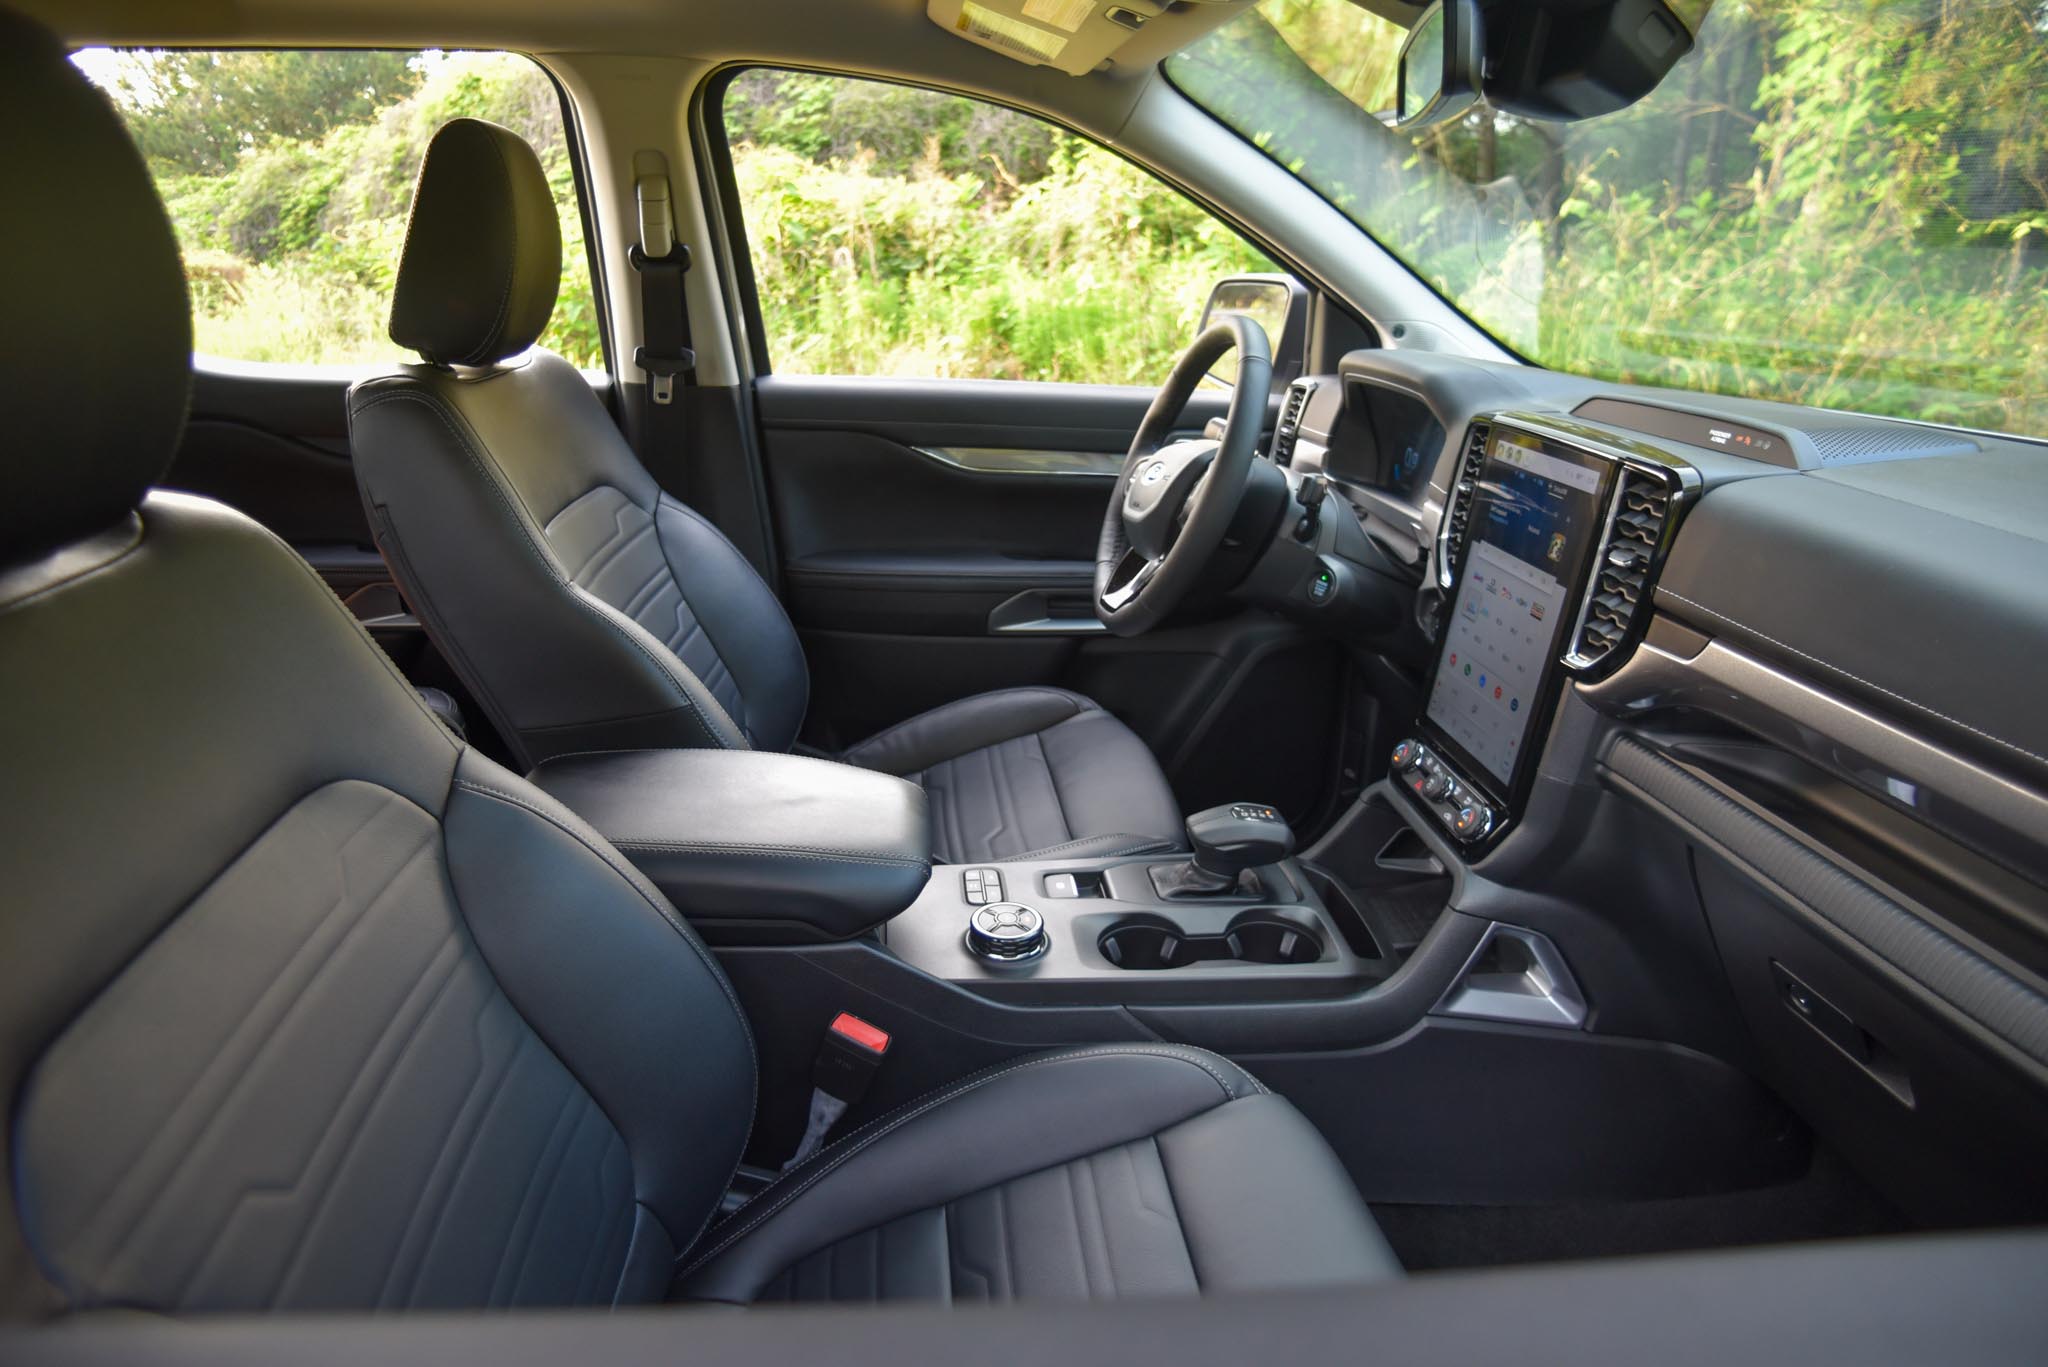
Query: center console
1238 920
1554 535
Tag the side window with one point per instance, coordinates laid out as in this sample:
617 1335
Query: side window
288 176
902 232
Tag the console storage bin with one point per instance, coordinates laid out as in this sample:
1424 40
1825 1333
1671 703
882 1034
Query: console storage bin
756 848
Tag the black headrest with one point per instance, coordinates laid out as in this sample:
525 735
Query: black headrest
483 250
95 332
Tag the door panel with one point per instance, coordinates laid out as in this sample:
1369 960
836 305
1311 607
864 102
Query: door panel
276 447
938 540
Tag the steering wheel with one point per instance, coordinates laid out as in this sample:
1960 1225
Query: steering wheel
1173 501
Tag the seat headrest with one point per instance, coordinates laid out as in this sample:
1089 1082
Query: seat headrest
95 331
483 249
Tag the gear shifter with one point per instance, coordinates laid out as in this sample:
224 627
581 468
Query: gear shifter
1227 841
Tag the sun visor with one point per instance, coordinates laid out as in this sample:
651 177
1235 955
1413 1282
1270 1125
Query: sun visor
1075 36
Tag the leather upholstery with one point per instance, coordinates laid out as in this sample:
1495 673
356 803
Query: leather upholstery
761 848
1029 771
588 610
1087 1174
305 1004
96 268
483 249
584 607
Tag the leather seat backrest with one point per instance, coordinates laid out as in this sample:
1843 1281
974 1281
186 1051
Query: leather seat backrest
586 608
302 1003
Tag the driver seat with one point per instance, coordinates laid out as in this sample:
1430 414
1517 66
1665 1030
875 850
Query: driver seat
589 610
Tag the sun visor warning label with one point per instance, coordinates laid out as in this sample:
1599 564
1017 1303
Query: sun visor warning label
1061 14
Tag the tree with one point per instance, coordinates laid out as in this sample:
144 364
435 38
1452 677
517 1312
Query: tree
198 112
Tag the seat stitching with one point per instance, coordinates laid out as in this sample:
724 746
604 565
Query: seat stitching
1187 1245
1008 1246
372 1103
557 1147
1052 781
492 338
541 555
1132 844
632 881
718 652
792 851
1080 705
90 1227
1001 799
604 557
473 1110
640 597
1896 697
562 1165
590 1278
868 1134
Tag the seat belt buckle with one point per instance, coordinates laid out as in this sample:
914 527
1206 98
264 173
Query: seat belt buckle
847 1062
662 371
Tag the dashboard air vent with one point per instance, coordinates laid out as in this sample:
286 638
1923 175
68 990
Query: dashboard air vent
1451 552
1288 429
1621 574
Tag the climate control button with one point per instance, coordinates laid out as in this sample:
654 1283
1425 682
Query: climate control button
1471 820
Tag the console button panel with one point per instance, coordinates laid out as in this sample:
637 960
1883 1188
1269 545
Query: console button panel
982 886
1459 808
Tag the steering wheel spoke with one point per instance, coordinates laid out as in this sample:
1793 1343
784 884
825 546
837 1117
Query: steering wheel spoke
1175 499
1126 593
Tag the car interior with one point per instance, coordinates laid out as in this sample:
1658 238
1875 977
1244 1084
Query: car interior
1353 843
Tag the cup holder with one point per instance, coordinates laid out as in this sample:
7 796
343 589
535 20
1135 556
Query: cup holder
1275 942
1150 945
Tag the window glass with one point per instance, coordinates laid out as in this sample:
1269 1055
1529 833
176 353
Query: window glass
288 176
1842 204
901 232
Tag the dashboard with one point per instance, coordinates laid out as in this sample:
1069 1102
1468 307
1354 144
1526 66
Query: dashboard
1875 556
1760 675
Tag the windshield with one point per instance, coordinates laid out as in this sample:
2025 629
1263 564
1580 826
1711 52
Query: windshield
1842 204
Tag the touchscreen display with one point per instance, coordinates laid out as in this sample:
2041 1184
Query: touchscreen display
1535 514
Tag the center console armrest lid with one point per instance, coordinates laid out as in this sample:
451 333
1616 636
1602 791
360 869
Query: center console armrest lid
756 848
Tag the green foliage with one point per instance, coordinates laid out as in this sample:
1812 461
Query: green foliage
963 241
199 112
1842 204
292 242
894 230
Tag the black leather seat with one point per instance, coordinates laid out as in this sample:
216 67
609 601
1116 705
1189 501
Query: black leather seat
588 610
304 1004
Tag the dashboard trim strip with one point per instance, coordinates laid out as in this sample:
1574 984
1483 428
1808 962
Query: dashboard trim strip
1002 460
2002 1010
1977 805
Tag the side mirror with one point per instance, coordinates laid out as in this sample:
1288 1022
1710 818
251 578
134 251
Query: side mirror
1440 64
1277 303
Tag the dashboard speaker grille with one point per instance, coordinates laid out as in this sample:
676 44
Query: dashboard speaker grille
1642 513
1458 517
1288 429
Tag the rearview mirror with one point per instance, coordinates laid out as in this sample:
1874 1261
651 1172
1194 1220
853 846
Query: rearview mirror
1277 303
1440 64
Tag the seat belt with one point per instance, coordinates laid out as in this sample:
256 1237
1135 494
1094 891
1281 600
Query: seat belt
664 351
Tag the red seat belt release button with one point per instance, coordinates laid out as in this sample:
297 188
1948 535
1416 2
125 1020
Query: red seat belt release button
846 1064
852 1053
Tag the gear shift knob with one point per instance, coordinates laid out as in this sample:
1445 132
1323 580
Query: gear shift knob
1242 835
